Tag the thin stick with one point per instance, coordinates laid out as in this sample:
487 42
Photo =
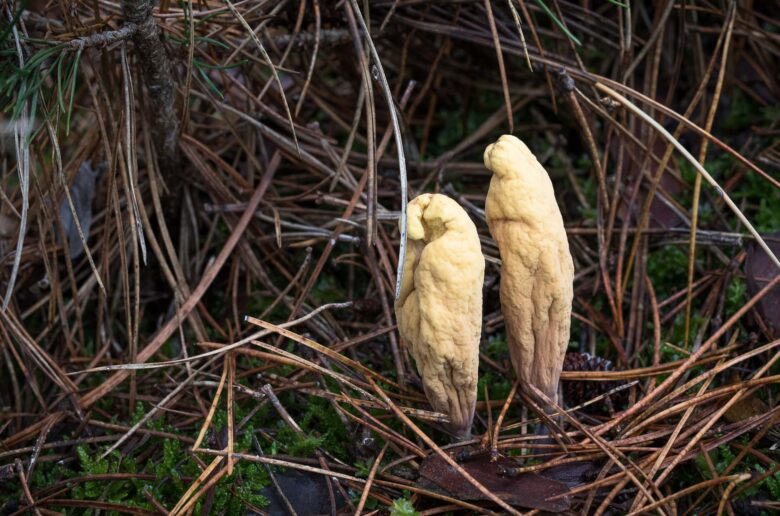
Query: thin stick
702 157
230 366
370 479
25 487
22 145
274 72
500 420
223 349
399 144
212 409
501 67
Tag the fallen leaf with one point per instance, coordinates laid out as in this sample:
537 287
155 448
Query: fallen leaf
759 270
529 490
82 192
745 408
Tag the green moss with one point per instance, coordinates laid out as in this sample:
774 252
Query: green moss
498 386
721 457
297 444
171 465
124 492
321 425
741 113
668 269
454 123
403 507
496 347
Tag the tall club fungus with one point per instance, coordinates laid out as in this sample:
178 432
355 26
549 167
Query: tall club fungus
537 270
439 310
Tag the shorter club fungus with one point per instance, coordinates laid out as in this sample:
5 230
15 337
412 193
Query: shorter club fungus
439 310
536 267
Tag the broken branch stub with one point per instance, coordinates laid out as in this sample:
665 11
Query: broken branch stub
156 71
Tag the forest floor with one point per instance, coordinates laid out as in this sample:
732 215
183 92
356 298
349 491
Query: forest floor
217 333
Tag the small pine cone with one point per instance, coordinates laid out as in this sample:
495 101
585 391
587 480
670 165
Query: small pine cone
577 392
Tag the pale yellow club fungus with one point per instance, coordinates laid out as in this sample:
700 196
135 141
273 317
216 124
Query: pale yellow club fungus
537 272
439 310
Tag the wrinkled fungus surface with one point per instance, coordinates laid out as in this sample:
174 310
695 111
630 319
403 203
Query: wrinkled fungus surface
537 270
439 311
